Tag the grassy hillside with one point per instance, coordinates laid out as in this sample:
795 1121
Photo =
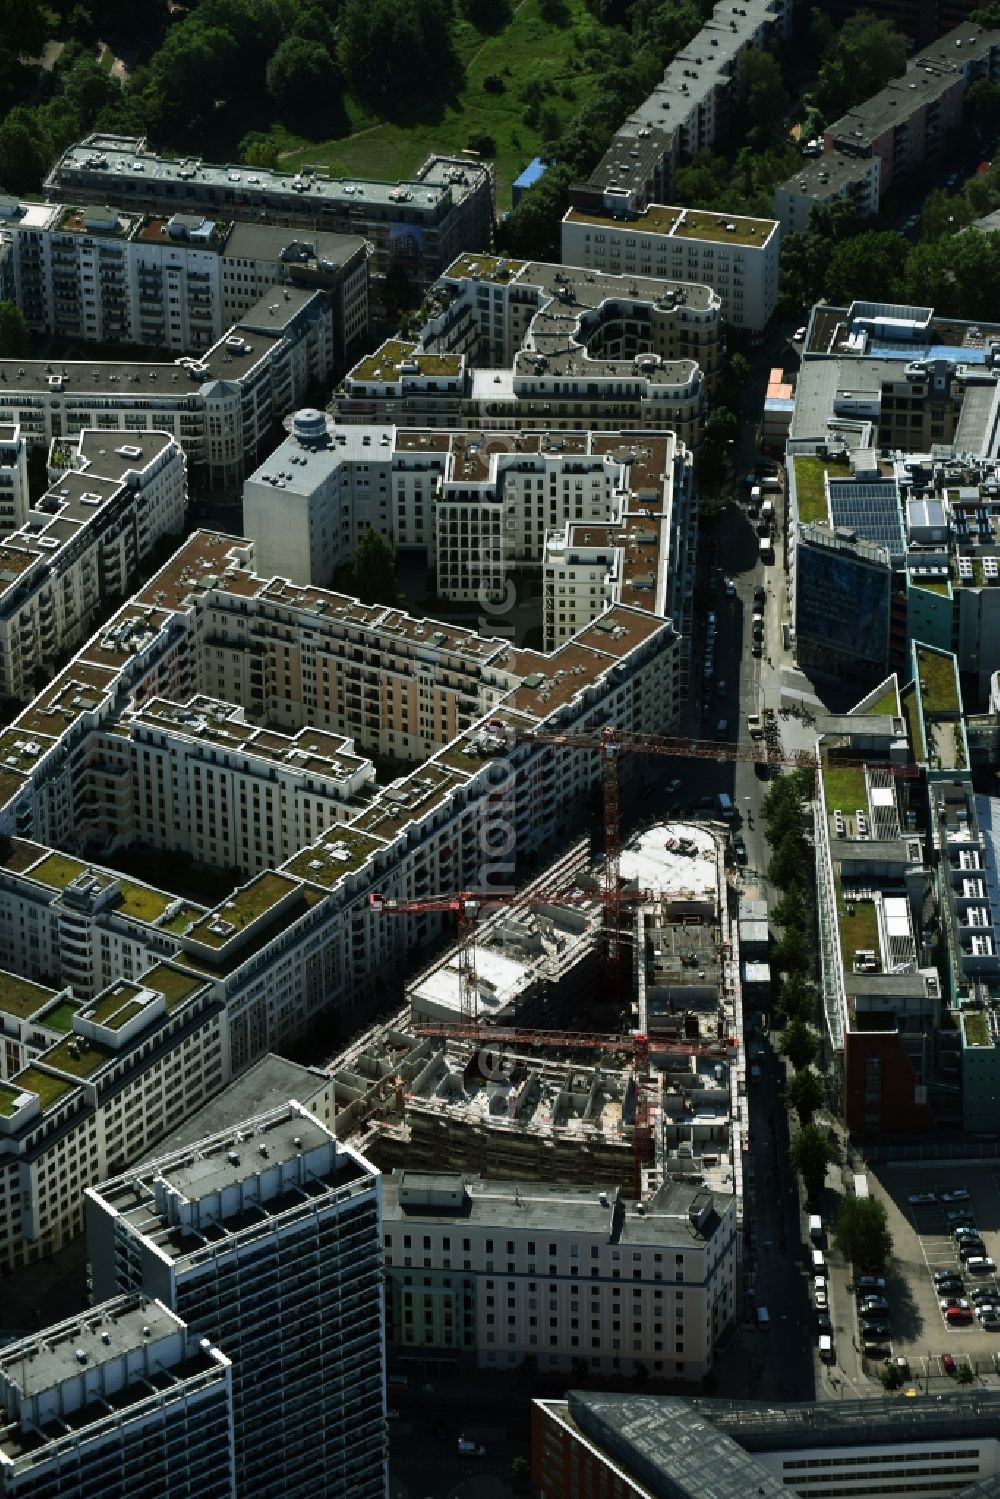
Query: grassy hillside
528 49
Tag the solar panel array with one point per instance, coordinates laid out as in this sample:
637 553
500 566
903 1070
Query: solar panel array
871 508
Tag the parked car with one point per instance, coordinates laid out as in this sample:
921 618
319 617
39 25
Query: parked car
958 1215
948 1363
759 593
740 849
869 1285
673 785
470 1449
955 1194
953 1286
987 1310
949 1301
984 1293
958 1316
730 587
874 1304
823 1323
875 1330
943 1275
922 1199
964 1231
982 1264
971 1249
875 1350
757 649
822 1304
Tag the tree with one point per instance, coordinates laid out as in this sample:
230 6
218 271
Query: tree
869 265
865 55
789 863
804 1094
861 1233
257 151
964 1374
765 100
304 83
981 107
486 15
15 338
23 152
196 66
944 213
374 570
962 273
799 1044
795 999
24 28
520 1472
389 49
810 1154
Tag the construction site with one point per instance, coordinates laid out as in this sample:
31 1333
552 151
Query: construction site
540 1072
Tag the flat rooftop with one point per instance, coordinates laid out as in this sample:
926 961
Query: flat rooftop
211 1192
415 1196
115 158
682 223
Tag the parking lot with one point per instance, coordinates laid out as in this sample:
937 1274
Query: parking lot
925 1205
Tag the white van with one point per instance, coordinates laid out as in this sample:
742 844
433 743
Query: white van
815 1228
826 1348
819 1263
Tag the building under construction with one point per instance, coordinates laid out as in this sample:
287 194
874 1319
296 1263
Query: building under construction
426 1091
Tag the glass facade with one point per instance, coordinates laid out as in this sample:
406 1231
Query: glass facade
841 608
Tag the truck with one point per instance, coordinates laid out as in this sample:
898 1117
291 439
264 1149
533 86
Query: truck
771 485
826 1348
816 1228
767 511
755 499
765 549
755 726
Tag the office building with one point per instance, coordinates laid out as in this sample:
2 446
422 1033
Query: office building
123 1401
222 406
112 500
892 465
266 1240
512 344
489 1273
419 225
883 994
734 255
649 1447
906 127
13 478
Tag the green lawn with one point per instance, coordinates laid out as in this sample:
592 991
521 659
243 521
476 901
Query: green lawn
885 703
20 996
57 870
182 919
529 49
939 688
90 1056
175 986
60 1017
244 906
977 1031
858 932
49 1089
933 585
844 787
143 904
809 490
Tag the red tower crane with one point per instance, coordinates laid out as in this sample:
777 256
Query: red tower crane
638 1044
610 742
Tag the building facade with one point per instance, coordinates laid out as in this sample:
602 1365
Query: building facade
512 344
266 1239
418 225
127 1400
734 255
491 1273
13 478
221 406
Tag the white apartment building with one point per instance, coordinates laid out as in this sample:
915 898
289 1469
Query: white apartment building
112 498
511 344
490 1273
736 256
32 1018
171 282
418 225
265 1240
100 275
13 478
124 1400
221 406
